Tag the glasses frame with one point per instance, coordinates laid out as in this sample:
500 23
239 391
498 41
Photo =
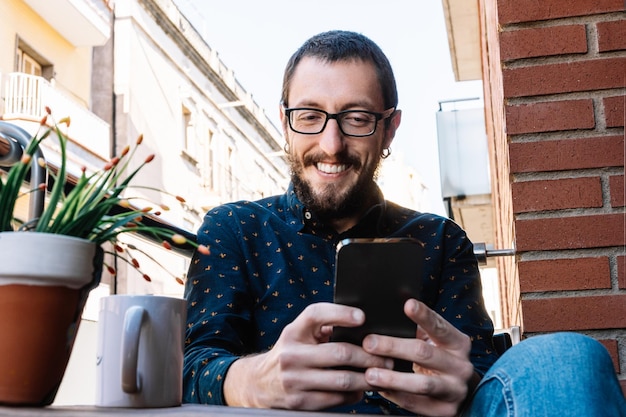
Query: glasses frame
378 116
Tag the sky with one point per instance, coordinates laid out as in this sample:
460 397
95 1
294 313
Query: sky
255 38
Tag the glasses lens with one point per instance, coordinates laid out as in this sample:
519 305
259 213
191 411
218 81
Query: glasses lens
307 120
352 123
358 123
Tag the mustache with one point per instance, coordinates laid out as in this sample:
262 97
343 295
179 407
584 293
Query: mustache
342 158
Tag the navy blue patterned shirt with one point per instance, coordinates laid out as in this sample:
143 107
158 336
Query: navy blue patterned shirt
271 258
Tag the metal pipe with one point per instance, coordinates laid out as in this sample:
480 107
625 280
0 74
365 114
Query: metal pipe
16 136
11 151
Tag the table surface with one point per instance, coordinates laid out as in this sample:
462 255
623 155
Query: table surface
191 410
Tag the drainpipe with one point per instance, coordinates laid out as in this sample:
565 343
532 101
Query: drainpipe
113 120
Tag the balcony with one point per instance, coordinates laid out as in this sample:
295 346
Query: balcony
463 27
81 22
464 162
24 99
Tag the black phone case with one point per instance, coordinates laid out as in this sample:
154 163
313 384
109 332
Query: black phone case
378 276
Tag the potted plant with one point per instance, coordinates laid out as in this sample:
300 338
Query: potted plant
50 263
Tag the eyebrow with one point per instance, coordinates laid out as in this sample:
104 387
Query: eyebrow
348 106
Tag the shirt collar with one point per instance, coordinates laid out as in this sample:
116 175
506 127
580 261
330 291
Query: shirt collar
299 217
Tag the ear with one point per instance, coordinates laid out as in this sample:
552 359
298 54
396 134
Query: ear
283 122
390 132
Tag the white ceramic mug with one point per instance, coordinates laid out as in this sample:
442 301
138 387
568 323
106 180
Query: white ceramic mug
140 351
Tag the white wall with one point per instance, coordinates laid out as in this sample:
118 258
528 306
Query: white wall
79 382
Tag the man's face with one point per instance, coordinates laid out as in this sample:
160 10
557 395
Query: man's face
331 172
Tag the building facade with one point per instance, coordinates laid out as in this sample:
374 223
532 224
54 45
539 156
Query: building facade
45 63
554 85
213 142
124 69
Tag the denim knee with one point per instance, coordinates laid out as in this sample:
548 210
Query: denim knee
557 348
560 374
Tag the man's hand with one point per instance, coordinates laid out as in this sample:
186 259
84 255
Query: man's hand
443 374
297 373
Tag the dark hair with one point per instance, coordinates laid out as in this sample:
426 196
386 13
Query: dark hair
340 45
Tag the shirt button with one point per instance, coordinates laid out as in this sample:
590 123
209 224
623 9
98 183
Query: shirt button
307 215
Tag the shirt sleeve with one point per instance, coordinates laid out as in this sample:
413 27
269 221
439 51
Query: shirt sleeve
219 309
460 300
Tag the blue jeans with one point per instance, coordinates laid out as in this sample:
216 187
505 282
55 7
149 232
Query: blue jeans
561 374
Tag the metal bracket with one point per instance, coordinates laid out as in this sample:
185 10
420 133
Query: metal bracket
482 253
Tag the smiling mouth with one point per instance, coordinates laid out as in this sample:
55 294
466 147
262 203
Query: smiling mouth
331 168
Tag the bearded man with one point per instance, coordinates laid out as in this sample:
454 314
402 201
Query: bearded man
260 309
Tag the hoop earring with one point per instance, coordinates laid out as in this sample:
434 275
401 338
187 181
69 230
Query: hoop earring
385 154
286 148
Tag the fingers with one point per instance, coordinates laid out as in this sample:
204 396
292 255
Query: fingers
427 357
435 328
330 380
314 323
435 386
439 346
331 355
428 394
301 371
440 354
307 375
311 400
422 394
300 351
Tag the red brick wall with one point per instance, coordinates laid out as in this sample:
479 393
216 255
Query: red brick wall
556 71
499 164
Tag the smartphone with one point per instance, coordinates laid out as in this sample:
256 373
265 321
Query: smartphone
378 275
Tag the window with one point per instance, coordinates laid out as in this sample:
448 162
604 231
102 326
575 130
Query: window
24 90
207 179
27 64
29 61
189 151
230 181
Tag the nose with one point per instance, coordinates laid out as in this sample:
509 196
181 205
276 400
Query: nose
331 140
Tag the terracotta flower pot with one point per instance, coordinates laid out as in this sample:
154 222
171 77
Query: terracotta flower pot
44 283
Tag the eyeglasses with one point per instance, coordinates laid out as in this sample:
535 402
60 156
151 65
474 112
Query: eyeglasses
357 123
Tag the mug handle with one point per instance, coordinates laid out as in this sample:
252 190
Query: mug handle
133 320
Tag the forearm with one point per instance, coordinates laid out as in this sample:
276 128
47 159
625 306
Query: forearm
252 381
238 387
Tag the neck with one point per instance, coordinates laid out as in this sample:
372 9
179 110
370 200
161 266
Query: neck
342 224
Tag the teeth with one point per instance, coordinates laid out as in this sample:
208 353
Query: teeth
330 168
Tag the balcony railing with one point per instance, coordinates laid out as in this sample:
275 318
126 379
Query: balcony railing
25 98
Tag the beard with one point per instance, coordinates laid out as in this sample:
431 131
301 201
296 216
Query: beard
330 202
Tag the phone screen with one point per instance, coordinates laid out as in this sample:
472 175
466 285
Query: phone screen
378 276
